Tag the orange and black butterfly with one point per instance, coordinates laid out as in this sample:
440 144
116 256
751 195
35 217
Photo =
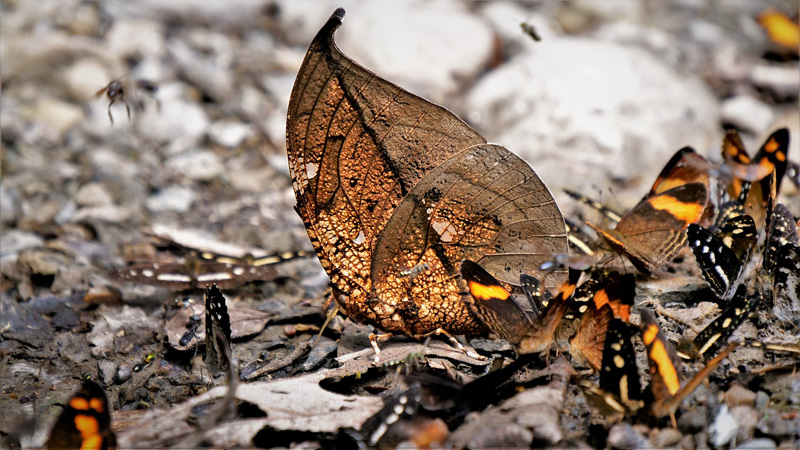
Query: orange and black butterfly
666 373
611 298
618 373
773 156
620 386
495 306
85 422
654 229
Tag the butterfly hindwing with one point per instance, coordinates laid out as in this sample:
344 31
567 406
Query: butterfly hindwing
654 229
715 335
782 231
786 294
85 422
718 263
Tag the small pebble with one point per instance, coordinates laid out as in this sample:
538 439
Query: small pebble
174 198
509 435
229 134
665 437
687 442
693 420
15 241
723 428
623 435
760 444
107 369
738 395
777 427
124 373
321 350
199 165
93 194
747 113
762 400
747 418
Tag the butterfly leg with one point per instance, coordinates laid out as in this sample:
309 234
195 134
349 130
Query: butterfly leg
374 339
110 117
332 311
455 343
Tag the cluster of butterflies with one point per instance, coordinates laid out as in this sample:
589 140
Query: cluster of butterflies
592 320
590 315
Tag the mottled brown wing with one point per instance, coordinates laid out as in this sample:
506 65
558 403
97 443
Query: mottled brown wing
685 166
386 180
484 204
655 228
357 144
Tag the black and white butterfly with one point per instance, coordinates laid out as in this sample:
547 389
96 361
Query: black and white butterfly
218 331
786 292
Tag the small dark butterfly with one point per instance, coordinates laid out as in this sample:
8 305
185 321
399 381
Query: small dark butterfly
218 331
85 422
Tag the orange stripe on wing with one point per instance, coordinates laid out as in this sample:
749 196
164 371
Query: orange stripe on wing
79 403
484 292
686 212
658 353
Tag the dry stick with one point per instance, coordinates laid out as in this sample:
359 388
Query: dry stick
301 349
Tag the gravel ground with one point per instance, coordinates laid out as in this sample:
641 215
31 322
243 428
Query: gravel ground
598 105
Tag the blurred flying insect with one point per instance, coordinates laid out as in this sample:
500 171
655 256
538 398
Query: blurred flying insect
528 29
118 91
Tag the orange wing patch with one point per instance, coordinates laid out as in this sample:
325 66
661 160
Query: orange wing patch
686 212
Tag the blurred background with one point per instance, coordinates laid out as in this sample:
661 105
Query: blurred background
602 100
596 95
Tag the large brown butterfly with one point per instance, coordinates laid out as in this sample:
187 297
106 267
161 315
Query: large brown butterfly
386 181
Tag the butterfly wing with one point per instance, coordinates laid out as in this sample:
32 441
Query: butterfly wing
786 296
718 263
686 166
386 180
653 230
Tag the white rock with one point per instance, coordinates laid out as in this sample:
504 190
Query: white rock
84 78
93 194
57 115
428 48
179 120
607 111
8 204
748 113
107 213
112 164
610 11
15 241
230 134
201 165
723 429
174 198
783 80
137 38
